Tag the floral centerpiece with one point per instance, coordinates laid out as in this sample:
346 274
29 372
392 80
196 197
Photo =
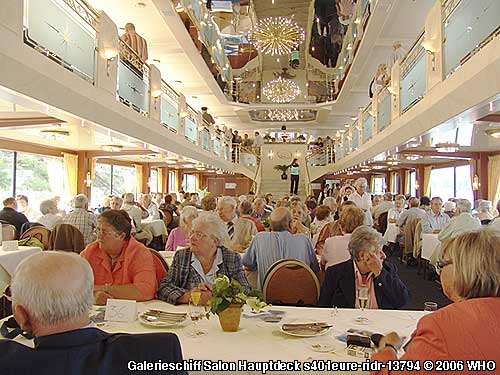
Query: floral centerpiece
228 298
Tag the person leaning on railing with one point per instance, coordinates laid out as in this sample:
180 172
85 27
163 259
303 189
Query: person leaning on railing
469 328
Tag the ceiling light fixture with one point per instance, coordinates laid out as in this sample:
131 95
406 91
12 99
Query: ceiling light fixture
281 90
55 134
112 148
493 132
277 36
282 115
447 147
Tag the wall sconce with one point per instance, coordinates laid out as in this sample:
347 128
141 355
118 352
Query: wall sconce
156 97
109 54
183 114
270 155
417 185
297 154
428 46
475 183
88 180
391 90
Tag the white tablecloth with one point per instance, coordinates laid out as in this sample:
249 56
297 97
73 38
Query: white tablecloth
9 261
430 244
257 340
391 232
156 227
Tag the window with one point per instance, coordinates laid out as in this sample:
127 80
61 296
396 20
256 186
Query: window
378 185
172 182
6 174
189 183
112 179
413 184
452 182
153 181
39 177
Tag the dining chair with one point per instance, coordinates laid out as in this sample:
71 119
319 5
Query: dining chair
66 237
9 232
291 282
41 233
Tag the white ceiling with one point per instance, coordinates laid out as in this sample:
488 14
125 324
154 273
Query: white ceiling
169 42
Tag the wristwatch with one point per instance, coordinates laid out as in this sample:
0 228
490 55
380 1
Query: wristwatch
107 286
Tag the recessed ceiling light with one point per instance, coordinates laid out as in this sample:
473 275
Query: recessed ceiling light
112 148
493 132
140 4
447 147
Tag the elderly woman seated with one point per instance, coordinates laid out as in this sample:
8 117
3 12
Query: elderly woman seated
335 250
123 267
366 268
469 327
179 236
299 215
198 265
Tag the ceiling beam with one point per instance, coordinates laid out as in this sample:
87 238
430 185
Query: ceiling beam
451 155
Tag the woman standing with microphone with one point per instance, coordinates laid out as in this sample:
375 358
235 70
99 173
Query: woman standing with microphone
294 176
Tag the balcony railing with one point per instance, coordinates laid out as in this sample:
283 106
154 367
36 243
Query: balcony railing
468 24
413 76
169 116
65 32
133 80
383 109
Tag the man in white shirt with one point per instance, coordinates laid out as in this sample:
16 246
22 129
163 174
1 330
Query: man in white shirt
30 213
362 199
258 142
50 218
239 229
384 206
462 223
435 220
150 206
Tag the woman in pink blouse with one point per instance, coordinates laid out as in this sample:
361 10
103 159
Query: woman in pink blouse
179 236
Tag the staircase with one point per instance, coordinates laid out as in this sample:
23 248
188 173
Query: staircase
270 179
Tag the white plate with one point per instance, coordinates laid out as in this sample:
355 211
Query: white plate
159 323
305 333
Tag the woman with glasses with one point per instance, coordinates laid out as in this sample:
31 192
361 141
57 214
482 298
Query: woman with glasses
469 328
123 267
199 265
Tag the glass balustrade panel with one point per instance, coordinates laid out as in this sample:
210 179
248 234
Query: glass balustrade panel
384 111
413 82
367 127
190 130
169 117
133 86
61 33
471 23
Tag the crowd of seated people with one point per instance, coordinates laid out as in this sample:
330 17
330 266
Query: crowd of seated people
227 236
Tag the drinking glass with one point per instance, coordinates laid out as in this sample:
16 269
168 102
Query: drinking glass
196 312
362 296
430 307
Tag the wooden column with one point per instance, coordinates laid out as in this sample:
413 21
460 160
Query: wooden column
402 181
482 172
146 172
420 179
83 168
180 176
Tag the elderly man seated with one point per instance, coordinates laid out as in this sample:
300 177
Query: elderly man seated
462 223
414 211
150 206
49 217
269 247
52 294
10 215
199 265
366 268
435 220
239 229
82 219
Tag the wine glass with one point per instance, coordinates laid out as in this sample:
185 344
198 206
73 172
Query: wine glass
430 307
196 312
362 297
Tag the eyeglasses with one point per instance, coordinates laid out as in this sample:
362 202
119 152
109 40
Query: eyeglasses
441 264
198 235
99 231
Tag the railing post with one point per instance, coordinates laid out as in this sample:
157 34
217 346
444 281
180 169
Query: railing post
374 113
394 90
11 16
107 57
434 46
155 93
182 113
359 128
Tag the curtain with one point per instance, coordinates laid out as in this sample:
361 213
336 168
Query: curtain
407 182
199 181
427 181
372 183
388 184
161 180
139 177
93 162
494 179
71 173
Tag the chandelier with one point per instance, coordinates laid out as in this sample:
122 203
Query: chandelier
281 90
282 115
277 36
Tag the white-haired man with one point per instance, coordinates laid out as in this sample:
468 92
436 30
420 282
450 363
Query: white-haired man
150 206
82 219
239 229
462 223
52 294
267 248
362 199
